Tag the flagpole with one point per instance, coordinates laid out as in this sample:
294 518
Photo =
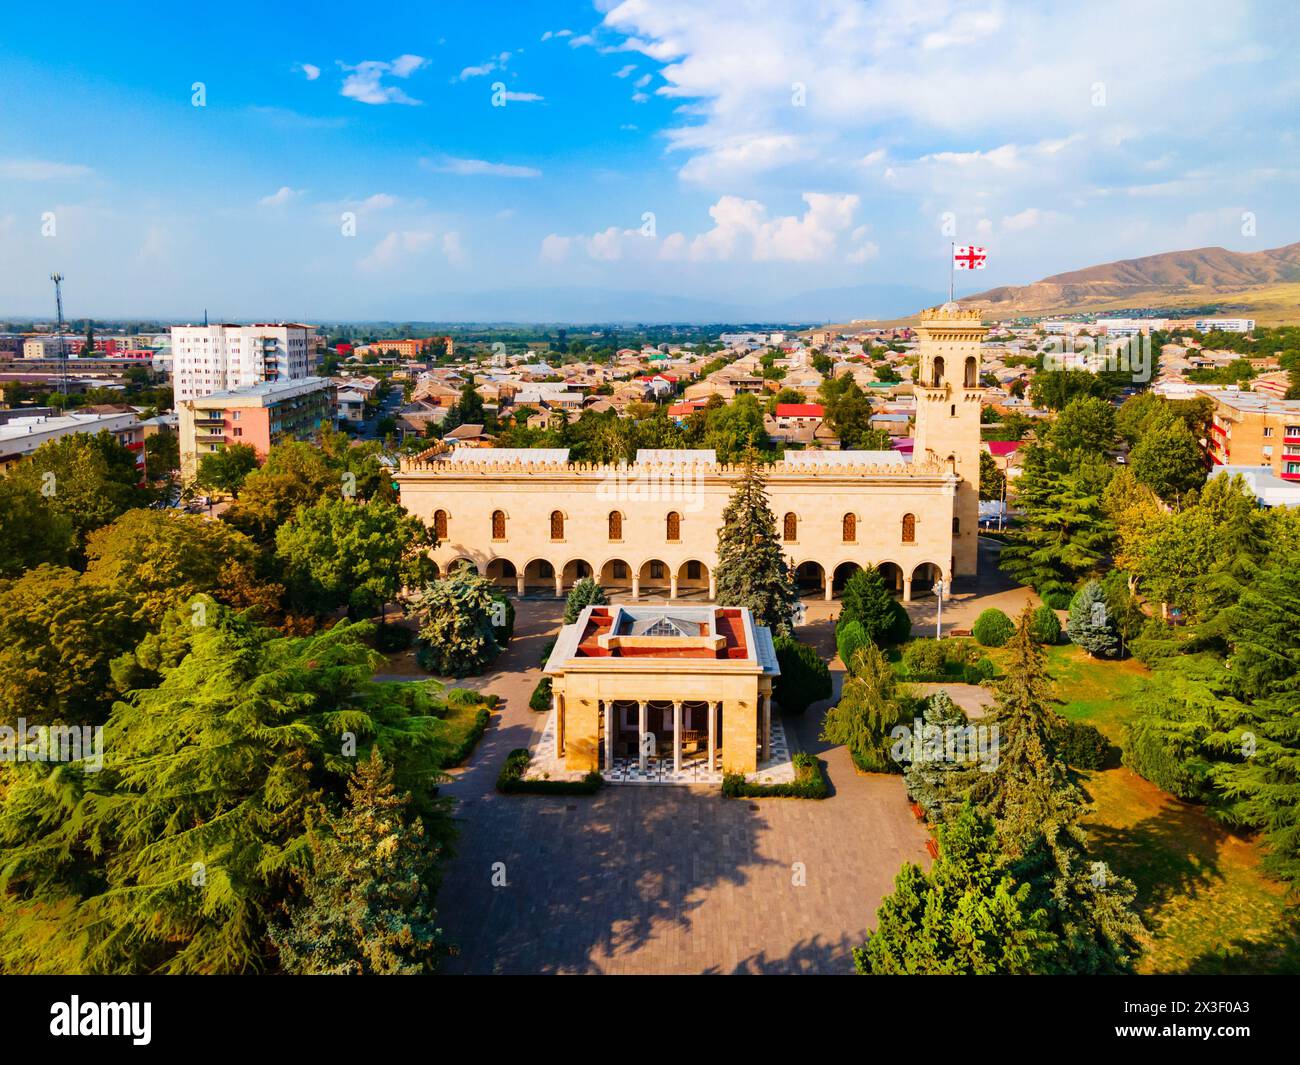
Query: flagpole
952 269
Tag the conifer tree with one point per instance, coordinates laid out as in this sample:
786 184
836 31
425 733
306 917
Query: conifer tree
934 780
867 601
1090 624
457 635
368 909
871 704
586 592
753 570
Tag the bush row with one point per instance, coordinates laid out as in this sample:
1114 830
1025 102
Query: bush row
510 781
809 783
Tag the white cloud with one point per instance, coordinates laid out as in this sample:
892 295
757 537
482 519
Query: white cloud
480 167
623 72
640 98
522 97
401 246
279 198
487 67
644 80
364 82
40 170
556 33
309 70
582 42
1029 218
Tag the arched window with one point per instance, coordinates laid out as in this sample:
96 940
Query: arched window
498 525
557 525
909 528
615 525
971 380
956 526
791 528
674 525
440 524
850 528
936 373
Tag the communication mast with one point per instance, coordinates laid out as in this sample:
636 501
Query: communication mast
57 278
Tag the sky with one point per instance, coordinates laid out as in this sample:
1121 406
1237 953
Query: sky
650 159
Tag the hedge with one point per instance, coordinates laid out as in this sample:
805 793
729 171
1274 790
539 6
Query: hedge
510 781
1045 626
809 783
457 755
540 700
464 697
993 628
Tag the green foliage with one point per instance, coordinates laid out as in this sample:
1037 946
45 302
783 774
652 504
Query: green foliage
1082 745
368 907
59 635
1168 460
993 481
850 637
752 568
1086 424
226 469
540 700
1090 625
867 601
967 916
584 593
458 753
871 704
511 780
1045 626
179 853
455 614
805 678
809 783
992 628
337 553
31 530
505 632
936 783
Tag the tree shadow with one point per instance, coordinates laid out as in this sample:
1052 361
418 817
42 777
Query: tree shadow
1277 952
809 956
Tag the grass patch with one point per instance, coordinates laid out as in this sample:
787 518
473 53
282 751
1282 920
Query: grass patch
809 783
510 781
465 727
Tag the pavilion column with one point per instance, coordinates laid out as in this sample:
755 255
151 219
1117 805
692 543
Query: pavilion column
609 735
830 586
519 584
636 586
767 726
907 589
672 586
557 708
559 585
641 729
677 737
713 734
713 586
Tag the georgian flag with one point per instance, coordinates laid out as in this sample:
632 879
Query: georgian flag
969 258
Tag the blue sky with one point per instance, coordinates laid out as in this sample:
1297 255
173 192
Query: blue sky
730 154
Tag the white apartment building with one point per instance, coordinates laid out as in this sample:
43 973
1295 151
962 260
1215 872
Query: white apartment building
219 358
19 437
1225 325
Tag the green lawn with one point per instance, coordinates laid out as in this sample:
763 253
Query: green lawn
459 740
1206 904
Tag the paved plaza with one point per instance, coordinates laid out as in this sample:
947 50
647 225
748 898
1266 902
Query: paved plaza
671 879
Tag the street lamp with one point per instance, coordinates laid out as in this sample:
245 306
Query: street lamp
938 590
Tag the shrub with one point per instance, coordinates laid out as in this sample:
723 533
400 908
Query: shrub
540 700
979 672
924 658
1081 745
1056 595
391 638
867 601
809 783
506 630
586 592
464 697
804 678
510 781
1045 626
492 700
465 748
457 637
992 628
849 637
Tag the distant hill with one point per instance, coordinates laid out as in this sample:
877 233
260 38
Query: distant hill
1262 284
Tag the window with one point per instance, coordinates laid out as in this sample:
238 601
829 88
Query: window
936 372
791 530
674 525
440 524
498 525
236 432
615 525
850 534
956 526
971 380
909 528
1268 430
557 525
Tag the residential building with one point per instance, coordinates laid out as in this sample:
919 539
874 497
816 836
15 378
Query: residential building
220 358
1251 429
20 436
1225 325
260 415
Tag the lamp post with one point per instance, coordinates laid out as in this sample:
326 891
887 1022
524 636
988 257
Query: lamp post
938 590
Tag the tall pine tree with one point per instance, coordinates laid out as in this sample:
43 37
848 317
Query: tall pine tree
752 569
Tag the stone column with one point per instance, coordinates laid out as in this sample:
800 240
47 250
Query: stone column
672 585
559 728
907 589
767 726
713 587
636 586
677 737
519 584
559 584
609 734
713 735
830 586
640 736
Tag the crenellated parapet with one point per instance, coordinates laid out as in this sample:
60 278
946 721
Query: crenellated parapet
488 467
